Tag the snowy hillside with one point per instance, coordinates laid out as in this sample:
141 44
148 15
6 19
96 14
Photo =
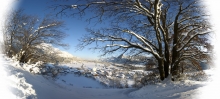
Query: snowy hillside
65 54
52 51
69 84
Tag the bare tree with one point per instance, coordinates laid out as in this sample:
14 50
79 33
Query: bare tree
171 30
23 33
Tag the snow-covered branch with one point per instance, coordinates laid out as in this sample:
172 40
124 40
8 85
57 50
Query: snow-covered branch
139 5
190 39
142 39
44 27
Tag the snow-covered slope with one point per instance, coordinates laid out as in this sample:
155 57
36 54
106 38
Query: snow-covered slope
26 85
65 54
50 50
13 82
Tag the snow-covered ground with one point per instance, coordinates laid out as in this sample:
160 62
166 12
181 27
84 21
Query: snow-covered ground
25 85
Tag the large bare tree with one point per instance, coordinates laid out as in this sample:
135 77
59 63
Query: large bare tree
173 31
25 33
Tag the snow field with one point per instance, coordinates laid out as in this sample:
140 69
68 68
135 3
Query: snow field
72 83
108 76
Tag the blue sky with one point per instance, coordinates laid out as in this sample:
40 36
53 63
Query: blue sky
76 27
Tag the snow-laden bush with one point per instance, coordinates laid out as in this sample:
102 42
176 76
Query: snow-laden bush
197 76
50 70
36 70
39 64
39 68
146 79
33 68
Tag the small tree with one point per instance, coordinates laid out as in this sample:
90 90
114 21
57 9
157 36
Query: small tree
25 33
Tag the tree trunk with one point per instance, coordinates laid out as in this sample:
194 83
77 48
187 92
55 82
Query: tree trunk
175 53
175 63
22 59
175 70
166 69
161 69
21 56
167 61
182 68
